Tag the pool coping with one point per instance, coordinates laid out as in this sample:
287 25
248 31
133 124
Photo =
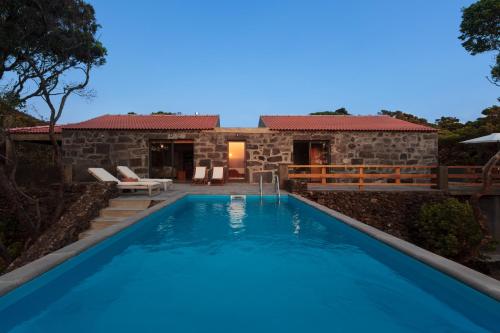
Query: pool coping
483 283
30 271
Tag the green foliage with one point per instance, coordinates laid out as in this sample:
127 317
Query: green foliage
42 42
62 30
12 118
452 132
448 123
480 30
338 112
405 116
163 113
449 229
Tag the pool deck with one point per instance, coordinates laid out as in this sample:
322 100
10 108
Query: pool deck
186 188
269 189
16 278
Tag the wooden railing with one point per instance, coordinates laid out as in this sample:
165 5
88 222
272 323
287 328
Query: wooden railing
389 175
470 175
364 175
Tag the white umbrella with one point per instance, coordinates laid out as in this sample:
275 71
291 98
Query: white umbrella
493 137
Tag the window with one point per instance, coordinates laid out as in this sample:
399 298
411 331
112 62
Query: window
311 152
171 159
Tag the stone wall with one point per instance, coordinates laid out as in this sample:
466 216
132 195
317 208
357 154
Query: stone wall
108 149
88 200
399 148
265 149
403 148
395 212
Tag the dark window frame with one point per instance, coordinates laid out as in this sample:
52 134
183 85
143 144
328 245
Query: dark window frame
309 142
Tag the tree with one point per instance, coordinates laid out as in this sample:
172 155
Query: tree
43 43
163 113
480 31
406 117
338 112
449 123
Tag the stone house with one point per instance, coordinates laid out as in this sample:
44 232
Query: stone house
171 145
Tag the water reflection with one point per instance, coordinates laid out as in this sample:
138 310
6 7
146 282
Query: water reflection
296 223
237 213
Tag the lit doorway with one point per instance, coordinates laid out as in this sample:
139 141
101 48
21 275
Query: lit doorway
236 160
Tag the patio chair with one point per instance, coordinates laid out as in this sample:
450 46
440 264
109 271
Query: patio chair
217 176
200 175
104 176
129 175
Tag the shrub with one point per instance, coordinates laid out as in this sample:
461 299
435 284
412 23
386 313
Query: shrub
449 228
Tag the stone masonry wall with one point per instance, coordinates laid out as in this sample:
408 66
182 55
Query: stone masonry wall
397 148
108 149
393 212
265 149
401 148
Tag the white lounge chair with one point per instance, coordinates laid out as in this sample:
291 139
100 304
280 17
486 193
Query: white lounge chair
104 176
200 175
217 175
127 173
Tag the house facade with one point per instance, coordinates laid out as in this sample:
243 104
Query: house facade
172 145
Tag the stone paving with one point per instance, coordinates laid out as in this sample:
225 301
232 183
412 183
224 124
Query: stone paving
188 188
269 189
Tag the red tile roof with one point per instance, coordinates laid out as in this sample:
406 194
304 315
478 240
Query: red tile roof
43 129
282 123
340 123
147 122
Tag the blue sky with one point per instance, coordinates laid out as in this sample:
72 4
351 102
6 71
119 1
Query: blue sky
241 59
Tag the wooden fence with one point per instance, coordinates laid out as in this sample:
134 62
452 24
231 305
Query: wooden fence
469 175
388 175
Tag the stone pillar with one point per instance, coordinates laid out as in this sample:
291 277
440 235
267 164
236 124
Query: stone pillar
283 173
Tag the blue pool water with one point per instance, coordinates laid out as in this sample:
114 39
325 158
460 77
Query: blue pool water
206 264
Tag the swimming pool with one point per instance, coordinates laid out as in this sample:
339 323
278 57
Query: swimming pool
209 264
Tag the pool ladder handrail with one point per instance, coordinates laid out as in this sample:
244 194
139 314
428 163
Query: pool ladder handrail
277 186
260 186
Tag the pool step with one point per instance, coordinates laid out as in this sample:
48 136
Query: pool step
98 225
127 203
107 220
120 211
86 233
